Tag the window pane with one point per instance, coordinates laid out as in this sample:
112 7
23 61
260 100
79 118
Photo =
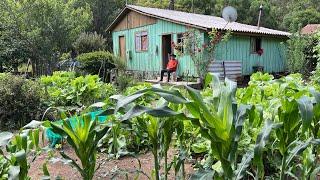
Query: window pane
144 42
252 45
255 44
138 42
180 42
258 44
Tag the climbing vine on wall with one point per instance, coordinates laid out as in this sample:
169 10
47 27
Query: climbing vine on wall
201 53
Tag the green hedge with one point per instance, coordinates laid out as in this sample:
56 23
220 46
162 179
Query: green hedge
89 42
20 101
94 61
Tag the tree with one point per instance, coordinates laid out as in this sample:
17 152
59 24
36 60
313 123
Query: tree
104 12
296 58
89 42
171 5
47 26
12 48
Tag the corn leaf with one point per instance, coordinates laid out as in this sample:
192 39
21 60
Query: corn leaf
306 111
314 174
127 100
14 172
243 165
5 138
298 147
33 124
164 111
261 142
202 175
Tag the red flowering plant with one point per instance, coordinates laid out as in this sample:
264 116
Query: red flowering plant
193 46
260 52
173 45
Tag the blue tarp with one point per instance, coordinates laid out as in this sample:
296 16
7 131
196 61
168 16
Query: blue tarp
55 138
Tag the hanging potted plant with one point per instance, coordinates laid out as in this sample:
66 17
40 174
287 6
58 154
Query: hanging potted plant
260 52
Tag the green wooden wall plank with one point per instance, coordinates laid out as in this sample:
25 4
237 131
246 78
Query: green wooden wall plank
150 60
237 49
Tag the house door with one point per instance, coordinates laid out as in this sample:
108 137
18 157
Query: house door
122 47
166 49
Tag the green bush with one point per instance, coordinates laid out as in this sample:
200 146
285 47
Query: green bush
65 89
20 101
98 62
316 74
88 42
65 56
299 54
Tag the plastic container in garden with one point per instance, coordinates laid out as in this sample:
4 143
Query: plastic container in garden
55 138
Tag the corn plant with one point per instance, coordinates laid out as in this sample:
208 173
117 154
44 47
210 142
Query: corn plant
4 167
221 123
115 139
83 138
290 104
158 122
18 147
296 116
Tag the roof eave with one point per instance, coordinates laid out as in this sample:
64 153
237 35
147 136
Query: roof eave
116 20
124 11
252 33
166 19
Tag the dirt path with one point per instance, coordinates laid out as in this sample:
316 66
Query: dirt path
108 168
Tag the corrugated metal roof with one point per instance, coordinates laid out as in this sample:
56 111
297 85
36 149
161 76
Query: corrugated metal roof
202 21
310 29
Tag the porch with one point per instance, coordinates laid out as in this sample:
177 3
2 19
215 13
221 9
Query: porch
195 85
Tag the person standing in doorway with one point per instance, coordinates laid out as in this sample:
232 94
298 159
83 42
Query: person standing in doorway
171 67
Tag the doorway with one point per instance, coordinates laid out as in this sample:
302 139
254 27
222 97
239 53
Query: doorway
122 47
166 49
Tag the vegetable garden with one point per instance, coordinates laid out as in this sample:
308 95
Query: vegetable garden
267 130
51 119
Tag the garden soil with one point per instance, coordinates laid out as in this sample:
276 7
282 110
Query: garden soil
109 169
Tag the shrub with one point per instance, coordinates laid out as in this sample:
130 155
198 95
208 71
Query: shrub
88 42
124 81
98 62
20 101
316 49
299 54
65 89
119 63
65 56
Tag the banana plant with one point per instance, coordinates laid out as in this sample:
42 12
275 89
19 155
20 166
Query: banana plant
83 138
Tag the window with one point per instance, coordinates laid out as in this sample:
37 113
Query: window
180 42
141 41
255 44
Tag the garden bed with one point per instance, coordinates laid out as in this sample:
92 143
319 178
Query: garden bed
108 168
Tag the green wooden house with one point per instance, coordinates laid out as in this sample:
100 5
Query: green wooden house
143 37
